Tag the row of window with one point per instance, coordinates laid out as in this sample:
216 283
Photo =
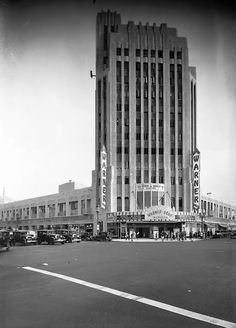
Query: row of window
149 52
147 199
34 210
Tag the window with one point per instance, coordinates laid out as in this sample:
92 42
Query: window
126 180
146 176
160 53
118 51
126 51
172 54
180 204
89 204
172 201
126 203
153 179
140 200
138 52
145 52
153 53
138 150
154 198
172 180
82 206
138 176
147 198
179 55
119 150
119 204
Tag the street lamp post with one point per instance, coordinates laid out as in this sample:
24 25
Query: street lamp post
98 223
202 216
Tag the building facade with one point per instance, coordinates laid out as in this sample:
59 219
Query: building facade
69 208
145 117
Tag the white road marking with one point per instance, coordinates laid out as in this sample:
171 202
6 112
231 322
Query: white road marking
160 305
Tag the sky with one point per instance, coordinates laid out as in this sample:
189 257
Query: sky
47 98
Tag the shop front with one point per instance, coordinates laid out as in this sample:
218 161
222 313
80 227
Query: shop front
150 223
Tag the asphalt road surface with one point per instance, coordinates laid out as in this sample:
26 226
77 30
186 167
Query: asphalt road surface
119 284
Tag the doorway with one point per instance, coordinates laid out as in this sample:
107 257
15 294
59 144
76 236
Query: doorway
143 232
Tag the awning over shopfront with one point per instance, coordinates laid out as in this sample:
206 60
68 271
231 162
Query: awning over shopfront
210 225
222 225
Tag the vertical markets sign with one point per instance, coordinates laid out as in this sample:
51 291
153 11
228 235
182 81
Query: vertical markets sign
196 180
103 177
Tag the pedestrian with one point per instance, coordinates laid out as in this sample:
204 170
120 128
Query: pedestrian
162 236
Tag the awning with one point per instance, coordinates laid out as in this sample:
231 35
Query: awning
210 224
222 225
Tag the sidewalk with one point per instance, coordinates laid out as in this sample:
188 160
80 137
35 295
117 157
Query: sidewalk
151 240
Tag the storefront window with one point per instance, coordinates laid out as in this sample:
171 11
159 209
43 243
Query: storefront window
147 195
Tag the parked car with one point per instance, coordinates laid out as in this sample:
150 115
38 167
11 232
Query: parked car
218 234
50 237
103 236
70 236
86 236
5 239
24 237
233 234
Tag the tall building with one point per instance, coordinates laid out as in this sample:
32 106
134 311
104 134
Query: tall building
146 179
145 115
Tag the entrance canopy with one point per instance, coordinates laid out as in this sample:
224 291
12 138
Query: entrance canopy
159 213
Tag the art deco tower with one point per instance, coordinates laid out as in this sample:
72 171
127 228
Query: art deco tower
145 115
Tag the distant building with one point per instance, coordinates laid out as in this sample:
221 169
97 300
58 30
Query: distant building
70 207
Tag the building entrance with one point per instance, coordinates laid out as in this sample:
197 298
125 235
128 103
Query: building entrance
143 232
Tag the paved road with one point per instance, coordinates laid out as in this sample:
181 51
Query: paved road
198 277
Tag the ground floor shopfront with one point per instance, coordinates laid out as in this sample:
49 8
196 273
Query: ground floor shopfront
144 230
82 224
153 222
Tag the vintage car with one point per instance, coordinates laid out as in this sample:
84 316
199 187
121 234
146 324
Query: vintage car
5 239
233 234
103 236
86 236
50 237
70 235
24 237
218 234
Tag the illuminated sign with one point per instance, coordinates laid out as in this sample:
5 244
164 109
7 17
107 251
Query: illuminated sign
159 213
103 177
196 180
